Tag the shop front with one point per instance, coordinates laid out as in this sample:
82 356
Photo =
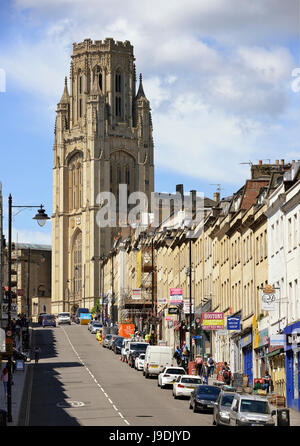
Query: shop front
260 354
247 349
276 360
292 357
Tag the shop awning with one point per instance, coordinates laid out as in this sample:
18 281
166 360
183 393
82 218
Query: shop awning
275 352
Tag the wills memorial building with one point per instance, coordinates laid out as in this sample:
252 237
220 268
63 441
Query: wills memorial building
103 138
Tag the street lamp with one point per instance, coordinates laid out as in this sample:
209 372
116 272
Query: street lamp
74 290
41 218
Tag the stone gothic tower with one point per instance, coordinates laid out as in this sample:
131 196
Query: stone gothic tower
103 138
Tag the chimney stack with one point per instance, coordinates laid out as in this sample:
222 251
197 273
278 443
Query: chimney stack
217 197
277 162
260 162
282 162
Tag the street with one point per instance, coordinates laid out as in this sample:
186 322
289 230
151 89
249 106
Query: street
78 382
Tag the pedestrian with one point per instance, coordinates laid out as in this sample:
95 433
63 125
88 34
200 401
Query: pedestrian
205 373
199 365
267 381
211 366
177 354
37 352
4 379
226 373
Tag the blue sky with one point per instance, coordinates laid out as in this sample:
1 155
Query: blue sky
217 74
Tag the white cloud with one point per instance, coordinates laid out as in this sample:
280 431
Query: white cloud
217 72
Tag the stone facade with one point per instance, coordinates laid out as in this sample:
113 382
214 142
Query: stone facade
103 138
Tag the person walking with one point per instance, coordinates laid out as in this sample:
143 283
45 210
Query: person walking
199 365
211 366
4 379
205 373
37 352
226 373
177 354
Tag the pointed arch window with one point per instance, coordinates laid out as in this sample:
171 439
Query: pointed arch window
118 94
77 264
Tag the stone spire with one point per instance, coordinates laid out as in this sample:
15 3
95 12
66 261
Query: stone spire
65 97
140 93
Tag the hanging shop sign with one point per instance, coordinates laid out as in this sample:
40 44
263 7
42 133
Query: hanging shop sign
277 339
136 294
268 298
212 321
175 295
172 310
233 323
255 337
162 301
186 306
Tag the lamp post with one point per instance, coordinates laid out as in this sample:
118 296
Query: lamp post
74 287
41 218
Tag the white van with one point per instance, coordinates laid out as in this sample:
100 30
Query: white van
156 359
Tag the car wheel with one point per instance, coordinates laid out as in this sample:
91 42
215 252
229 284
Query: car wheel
147 375
214 422
162 386
143 373
195 410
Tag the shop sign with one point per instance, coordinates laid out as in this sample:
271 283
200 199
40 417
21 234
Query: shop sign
186 306
293 339
212 321
277 340
136 294
268 298
175 295
263 338
172 310
162 301
233 323
247 340
255 333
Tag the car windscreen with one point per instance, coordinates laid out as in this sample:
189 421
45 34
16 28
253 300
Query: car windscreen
49 318
208 390
142 356
119 341
108 336
97 324
175 371
191 380
255 406
136 346
83 310
227 400
64 314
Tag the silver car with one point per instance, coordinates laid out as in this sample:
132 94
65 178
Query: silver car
222 408
64 318
251 410
96 326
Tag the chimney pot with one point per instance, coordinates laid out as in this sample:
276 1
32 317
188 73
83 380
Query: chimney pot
277 162
260 162
282 162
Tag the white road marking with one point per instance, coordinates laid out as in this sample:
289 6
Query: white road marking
111 402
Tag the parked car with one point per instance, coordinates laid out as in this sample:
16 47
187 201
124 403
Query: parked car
203 397
49 320
157 358
106 339
40 318
222 408
109 344
134 349
125 347
90 324
139 362
169 376
96 326
64 318
185 384
117 344
251 410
